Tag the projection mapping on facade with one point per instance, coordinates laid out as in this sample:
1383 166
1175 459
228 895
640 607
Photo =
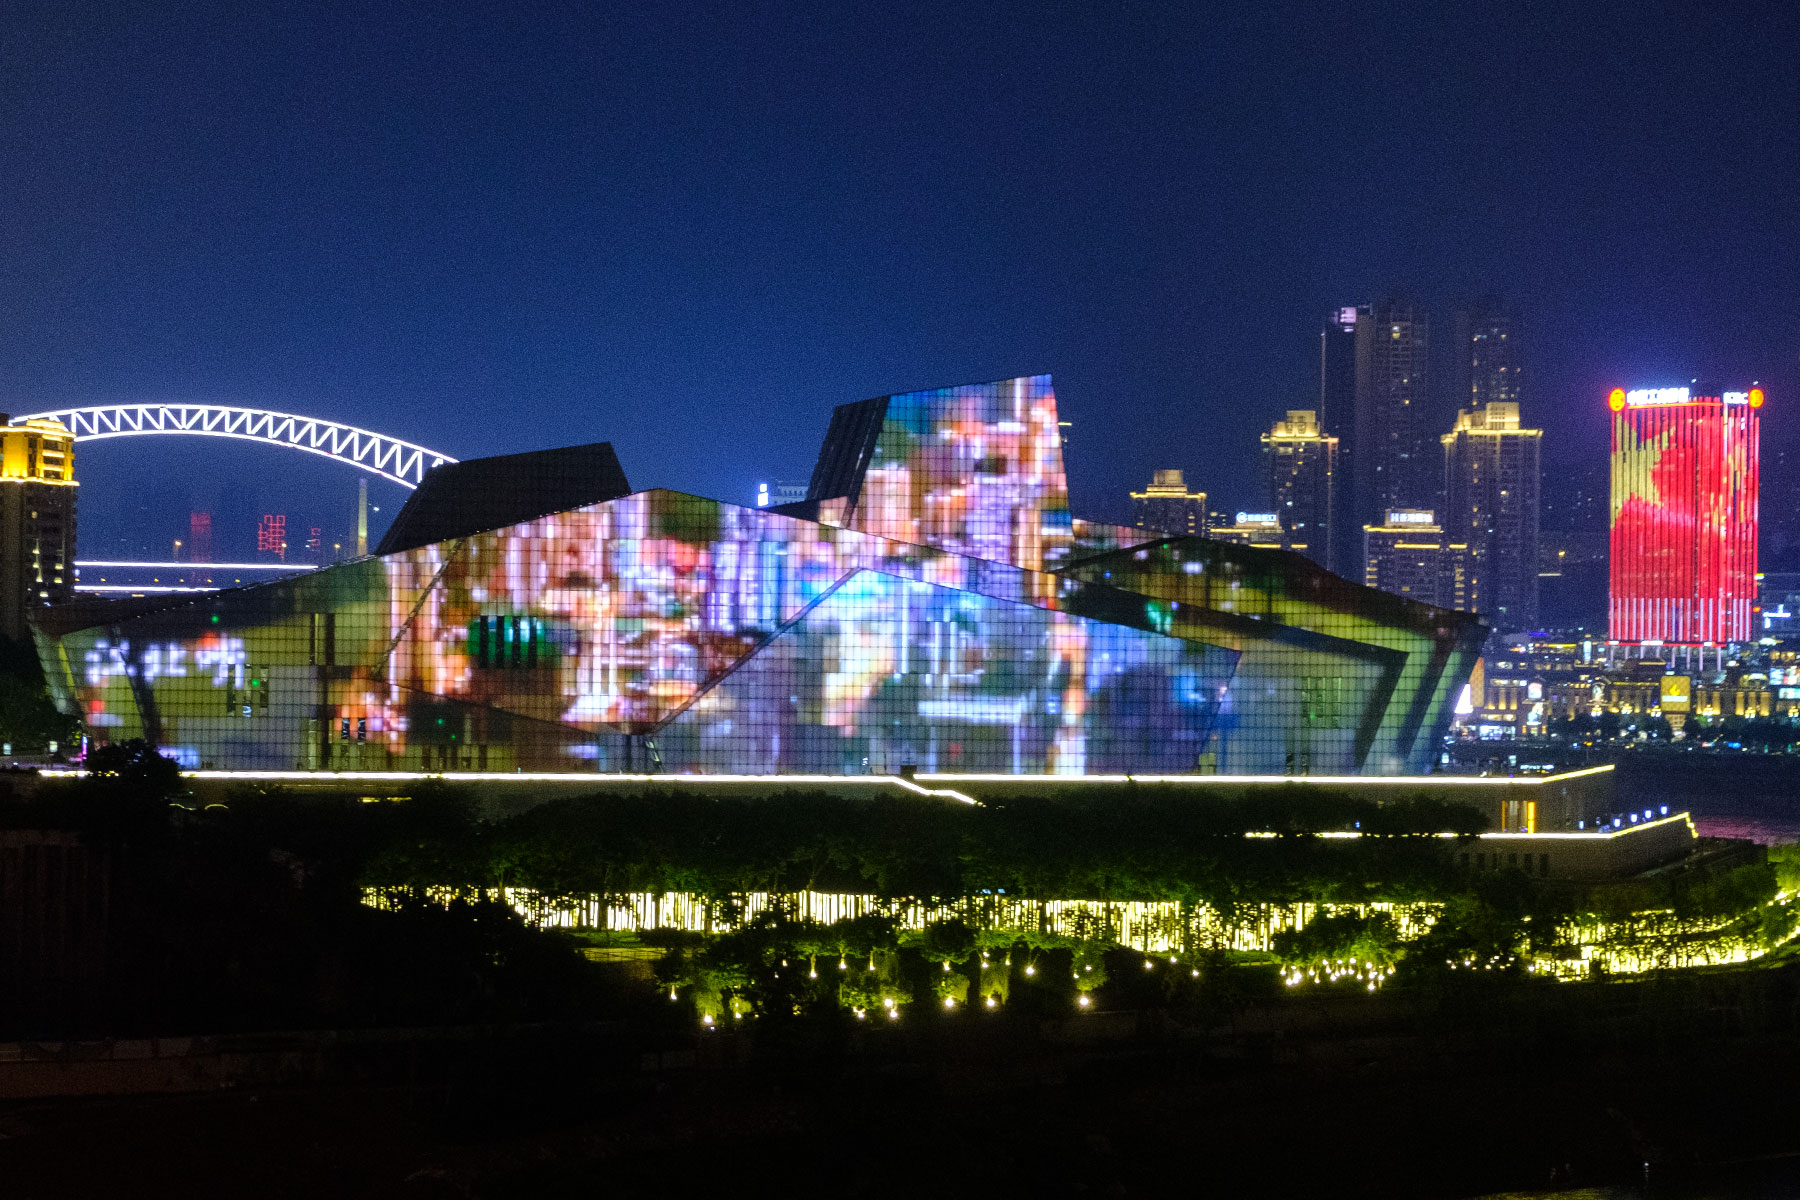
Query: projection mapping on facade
931 605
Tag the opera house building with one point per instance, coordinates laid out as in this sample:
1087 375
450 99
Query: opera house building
932 605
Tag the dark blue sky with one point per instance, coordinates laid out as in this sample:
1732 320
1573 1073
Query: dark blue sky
691 230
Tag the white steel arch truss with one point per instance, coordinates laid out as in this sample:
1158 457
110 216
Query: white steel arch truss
402 462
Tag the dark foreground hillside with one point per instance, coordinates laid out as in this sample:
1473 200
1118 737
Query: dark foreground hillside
1393 1095
220 1010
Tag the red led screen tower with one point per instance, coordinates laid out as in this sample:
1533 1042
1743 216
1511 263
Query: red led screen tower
1683 515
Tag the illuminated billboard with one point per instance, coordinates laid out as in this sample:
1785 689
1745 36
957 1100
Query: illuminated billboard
1683 515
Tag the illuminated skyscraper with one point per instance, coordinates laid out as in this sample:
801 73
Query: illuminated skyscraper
1408 554
1299 466
1491 480
1488 366
1168 507
1684 496
37 519
1337 415
1395 462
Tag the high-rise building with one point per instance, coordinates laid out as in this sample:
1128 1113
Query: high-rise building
1684 493
37 519
1299 466
1488 366
1337 416
1396 464
1491 480
1407 554
1262 530
1168 507
199 544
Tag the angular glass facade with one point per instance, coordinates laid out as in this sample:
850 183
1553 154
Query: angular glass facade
940 611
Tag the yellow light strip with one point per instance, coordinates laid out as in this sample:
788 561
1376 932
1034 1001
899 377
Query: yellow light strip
1305 780
1621 831
954 795
1589 835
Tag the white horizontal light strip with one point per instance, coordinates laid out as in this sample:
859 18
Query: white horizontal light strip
910 786
148 589
196 566
877 781
855 781
913 785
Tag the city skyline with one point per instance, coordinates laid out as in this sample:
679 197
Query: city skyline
1497 577
617 231
1062 583
146 525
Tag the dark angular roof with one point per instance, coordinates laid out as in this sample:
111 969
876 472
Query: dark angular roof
849 444
479 494
86 611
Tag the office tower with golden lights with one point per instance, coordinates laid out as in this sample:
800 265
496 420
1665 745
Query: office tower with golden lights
1168 507
1491 485
37 519
1261 530
1299 469
1408 554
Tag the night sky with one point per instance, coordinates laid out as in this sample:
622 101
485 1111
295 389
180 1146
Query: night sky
691 231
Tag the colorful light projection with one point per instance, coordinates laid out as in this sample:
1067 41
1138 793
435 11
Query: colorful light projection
666 630
975 470
933 605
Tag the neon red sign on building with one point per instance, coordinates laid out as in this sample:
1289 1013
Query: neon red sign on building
1684 495
271 534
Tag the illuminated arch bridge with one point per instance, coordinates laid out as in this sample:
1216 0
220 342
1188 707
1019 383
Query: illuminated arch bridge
402 462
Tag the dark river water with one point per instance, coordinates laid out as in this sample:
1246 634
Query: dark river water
1750 796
